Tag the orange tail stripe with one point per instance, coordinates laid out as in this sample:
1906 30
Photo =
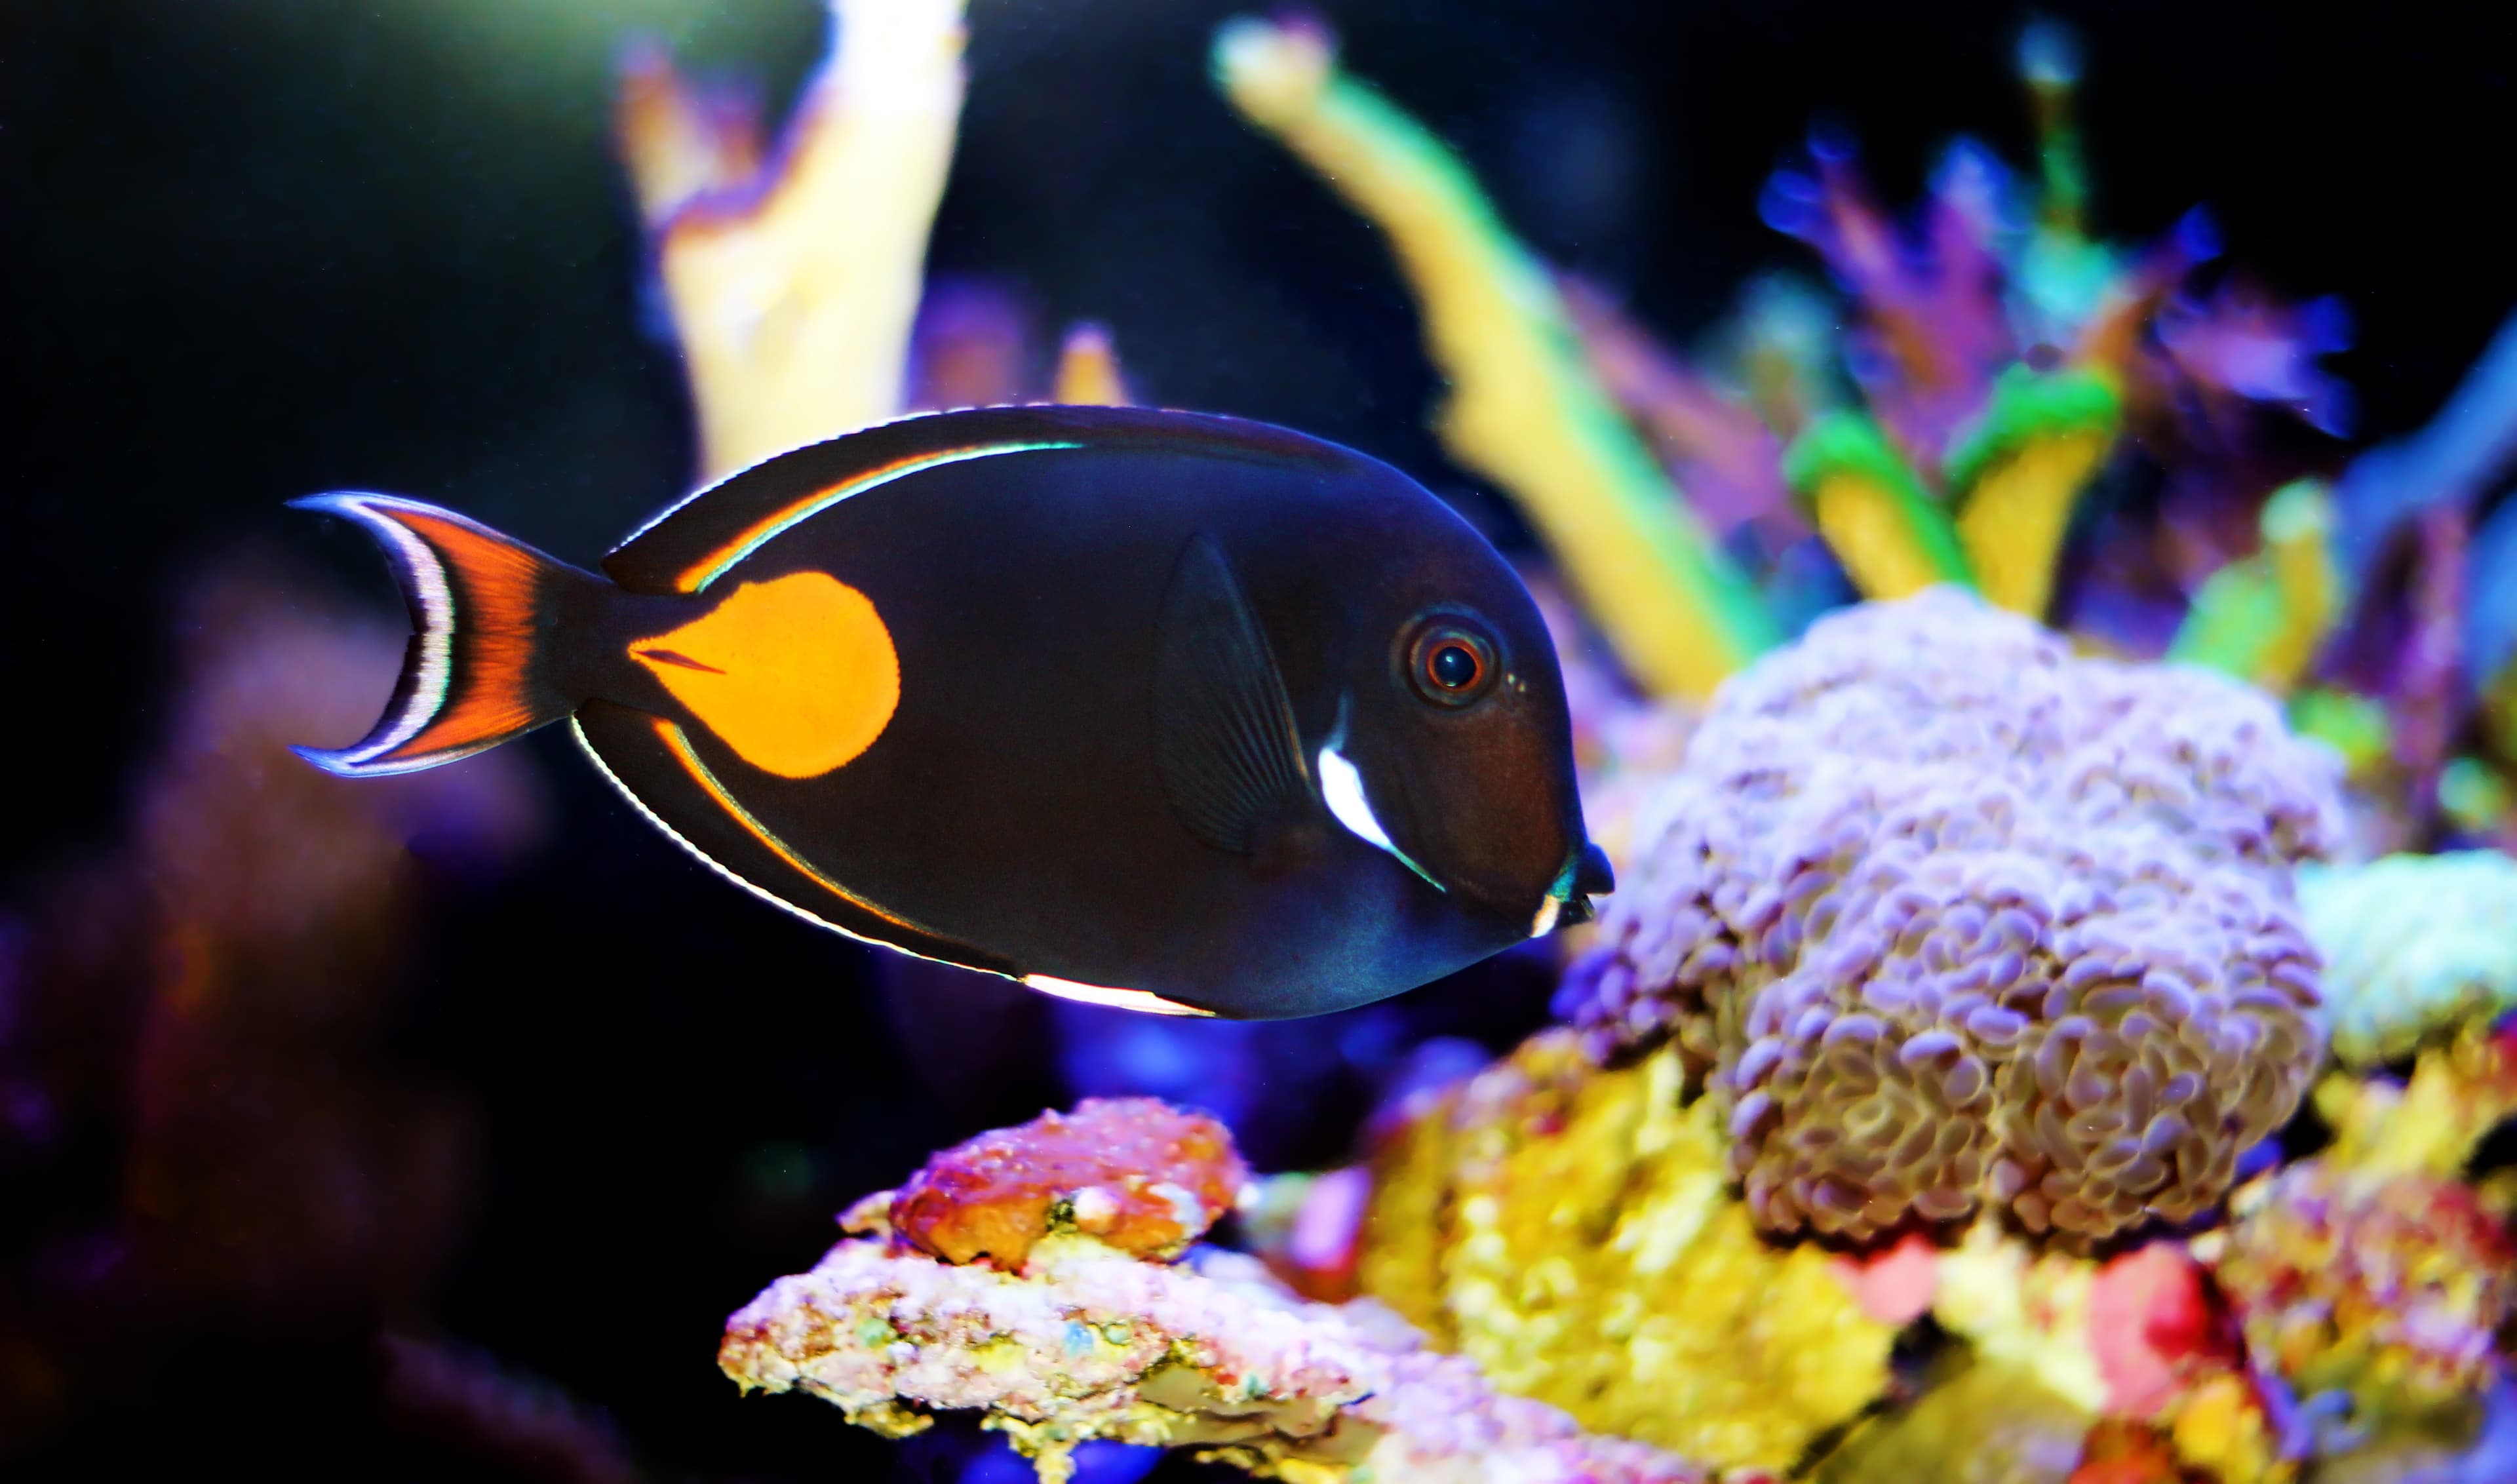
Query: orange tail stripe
494 600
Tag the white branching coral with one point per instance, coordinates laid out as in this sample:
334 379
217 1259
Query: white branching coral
1952 918
1087 1342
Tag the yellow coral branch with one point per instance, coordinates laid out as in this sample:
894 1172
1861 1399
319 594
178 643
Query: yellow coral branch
2019 473
794 300
2265 618
1088 370
1524 410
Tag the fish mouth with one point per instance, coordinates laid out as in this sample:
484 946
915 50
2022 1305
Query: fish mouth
1567 902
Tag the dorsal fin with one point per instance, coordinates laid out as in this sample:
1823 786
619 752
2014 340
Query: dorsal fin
688 546
1224 739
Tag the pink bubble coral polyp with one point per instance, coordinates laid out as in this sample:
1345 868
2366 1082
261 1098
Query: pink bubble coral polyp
1136 1173
1951 917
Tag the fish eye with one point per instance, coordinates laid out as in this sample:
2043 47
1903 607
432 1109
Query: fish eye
1451 663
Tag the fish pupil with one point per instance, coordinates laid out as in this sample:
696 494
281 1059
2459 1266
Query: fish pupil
1455 666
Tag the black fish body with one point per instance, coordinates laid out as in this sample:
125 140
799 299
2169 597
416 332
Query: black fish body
1147 707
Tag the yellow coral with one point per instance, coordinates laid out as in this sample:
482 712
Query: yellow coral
792 297
1088 370
2458 1094
1526 409
1985 1424
1588 1253
2019 473
2265 618
2220 1429
1893 539
2023 1312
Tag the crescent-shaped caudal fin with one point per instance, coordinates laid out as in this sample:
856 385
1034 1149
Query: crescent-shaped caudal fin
483 608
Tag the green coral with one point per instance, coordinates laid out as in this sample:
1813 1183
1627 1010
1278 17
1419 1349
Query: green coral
1844 457
2028 405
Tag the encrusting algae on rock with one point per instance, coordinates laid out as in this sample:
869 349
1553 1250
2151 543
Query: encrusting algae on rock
1569 1229
1951 918
1075 1339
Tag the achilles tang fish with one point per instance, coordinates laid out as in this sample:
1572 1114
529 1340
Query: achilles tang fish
1174 711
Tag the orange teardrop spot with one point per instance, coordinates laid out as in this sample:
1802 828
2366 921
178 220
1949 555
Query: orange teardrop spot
796 675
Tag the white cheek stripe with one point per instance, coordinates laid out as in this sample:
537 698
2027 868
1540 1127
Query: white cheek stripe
1142 1000
1548 911
1342 790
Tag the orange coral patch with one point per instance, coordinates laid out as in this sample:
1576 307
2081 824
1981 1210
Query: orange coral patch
796 675
1141 1175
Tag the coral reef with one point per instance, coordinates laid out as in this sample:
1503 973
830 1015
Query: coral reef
1984 1425
2390 1288
2124 1338
2415 947
1568 1229
1080 1341
1135 1173
1952 918
2264 619
1526 409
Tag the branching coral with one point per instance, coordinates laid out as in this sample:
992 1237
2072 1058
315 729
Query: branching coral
2264 619
1062 1337
2413 946
1526 409
1953 917
1894 538
1568 1229
2000 353
792 288
2018 473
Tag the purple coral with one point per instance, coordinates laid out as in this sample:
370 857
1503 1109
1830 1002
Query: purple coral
1952 916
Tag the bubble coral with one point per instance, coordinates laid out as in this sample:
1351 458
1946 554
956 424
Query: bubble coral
1136 1173
1952 918
2415 947
1568 1229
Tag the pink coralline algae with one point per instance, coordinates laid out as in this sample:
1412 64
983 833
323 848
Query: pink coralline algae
1135 1172
1951 918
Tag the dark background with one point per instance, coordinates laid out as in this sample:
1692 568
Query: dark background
256 249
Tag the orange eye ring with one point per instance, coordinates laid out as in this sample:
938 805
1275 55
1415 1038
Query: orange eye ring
1451 665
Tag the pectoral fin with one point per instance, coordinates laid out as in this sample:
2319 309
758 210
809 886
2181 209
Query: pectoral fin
1224 739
